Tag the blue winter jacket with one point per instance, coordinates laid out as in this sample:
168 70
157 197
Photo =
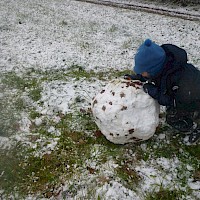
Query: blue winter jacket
178 84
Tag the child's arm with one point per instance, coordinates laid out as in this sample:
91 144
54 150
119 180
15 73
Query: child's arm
134 77
154 92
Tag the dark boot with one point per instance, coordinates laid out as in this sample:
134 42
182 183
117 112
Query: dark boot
183 125
179 121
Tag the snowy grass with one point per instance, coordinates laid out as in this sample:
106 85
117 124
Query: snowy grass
55 152
50 146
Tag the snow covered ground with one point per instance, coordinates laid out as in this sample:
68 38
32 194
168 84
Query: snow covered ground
48 49
57 34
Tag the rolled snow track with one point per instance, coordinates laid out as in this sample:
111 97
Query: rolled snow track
145 8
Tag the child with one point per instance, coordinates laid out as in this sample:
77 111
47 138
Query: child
173 82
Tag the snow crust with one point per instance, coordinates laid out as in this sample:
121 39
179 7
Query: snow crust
5 143
124 112
57 34
115 190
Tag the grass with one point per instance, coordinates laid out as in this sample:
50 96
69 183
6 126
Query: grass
164 194
11 105
10 168
79 144
40 174
129 177
113 28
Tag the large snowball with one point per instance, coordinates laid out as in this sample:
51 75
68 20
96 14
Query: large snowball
124 112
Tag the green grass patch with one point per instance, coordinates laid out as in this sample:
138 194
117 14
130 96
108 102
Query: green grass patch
34 114
165 194
10 169
10 107
32 79
35 94
77 72
128 176
12 80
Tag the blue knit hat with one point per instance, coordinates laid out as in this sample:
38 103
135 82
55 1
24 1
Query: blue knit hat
150 58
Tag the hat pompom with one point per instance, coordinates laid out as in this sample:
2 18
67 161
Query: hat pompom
147 42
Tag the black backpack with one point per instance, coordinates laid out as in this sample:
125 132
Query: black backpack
187 95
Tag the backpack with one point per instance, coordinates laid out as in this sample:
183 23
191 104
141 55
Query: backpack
187 95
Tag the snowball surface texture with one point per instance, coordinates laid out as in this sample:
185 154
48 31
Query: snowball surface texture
124 112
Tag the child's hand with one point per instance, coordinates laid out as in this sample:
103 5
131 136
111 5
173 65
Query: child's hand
148 87
132 77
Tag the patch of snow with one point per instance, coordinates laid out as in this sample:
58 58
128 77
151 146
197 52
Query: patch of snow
67 96
161 136
143 146
1 192
196 195
97 37
5 143
51 129
161 171
38 121
25 123
1 95
57 95
46 146
194 185
116 191
186 140
190 168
